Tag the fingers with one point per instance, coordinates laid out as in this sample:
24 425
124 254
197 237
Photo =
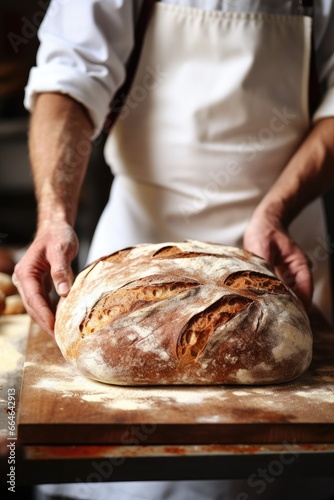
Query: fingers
60 259
304 286
62 276
286 258
297 275
33 297
46 262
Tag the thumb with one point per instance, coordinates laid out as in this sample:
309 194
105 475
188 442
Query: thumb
62 275
63 287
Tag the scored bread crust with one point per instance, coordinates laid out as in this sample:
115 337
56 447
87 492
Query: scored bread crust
183 313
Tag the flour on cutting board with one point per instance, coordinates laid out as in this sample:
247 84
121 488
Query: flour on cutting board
66 381
317 395
13 338
10 359
211 403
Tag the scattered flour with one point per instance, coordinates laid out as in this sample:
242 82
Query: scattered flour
321 395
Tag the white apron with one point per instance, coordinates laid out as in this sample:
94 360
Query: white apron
218 105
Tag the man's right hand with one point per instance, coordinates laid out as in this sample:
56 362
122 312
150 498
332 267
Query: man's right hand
59 150
47 262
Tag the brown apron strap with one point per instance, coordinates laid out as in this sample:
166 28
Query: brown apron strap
314 85
131 66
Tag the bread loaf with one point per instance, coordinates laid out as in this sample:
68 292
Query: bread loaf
14 305
6 284
183 313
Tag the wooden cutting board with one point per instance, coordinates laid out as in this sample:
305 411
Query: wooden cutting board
59 406
14 331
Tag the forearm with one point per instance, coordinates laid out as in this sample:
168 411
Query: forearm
59 145
309 174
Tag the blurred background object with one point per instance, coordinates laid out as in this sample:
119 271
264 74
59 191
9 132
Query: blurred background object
19 22
17 55
6 261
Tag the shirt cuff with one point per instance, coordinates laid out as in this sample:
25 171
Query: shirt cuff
326 106
65 80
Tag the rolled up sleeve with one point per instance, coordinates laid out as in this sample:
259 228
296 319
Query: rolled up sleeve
83 50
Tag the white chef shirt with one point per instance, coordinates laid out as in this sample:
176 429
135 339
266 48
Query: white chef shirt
85 45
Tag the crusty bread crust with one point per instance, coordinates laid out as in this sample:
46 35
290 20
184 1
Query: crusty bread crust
183 313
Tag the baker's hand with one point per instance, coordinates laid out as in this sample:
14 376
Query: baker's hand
271 241
46 262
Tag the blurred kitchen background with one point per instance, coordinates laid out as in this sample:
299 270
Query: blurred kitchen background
19 21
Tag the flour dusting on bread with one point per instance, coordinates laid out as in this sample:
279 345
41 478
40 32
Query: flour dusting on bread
183 313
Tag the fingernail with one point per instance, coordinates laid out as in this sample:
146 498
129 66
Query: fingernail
63 288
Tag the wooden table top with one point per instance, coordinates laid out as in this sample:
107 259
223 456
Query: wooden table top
58 406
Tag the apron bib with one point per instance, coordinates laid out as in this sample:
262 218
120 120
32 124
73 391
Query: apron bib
218 105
